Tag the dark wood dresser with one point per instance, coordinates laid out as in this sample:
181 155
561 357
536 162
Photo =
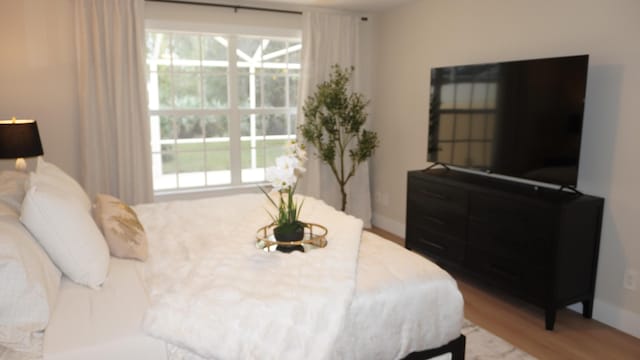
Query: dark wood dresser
535 243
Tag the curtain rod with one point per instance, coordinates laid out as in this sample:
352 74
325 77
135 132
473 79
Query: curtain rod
235 7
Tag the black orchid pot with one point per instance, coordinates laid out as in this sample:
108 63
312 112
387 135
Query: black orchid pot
287 233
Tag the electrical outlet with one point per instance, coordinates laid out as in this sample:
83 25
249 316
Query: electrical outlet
630 280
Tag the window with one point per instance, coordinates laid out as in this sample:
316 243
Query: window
221 106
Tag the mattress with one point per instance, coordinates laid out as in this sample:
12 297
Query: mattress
403 303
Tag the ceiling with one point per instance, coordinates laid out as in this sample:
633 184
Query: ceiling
351 5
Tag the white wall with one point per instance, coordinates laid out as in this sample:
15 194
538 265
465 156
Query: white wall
38 76
415 37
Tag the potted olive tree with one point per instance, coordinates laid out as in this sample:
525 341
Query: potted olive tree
334 120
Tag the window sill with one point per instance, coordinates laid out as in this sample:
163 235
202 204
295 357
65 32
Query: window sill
199 193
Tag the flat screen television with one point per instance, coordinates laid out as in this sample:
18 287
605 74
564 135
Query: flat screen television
520 119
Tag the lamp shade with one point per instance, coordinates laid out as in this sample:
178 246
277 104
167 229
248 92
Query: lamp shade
19 139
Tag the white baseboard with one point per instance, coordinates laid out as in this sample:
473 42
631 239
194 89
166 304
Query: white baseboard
395 227
621 319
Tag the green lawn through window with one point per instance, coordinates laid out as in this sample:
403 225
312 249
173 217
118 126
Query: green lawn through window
216 156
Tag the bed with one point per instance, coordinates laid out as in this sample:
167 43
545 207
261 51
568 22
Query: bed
403 306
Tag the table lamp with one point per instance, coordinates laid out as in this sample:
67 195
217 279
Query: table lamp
19 139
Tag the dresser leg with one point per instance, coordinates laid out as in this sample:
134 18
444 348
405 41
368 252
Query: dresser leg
549 319
587 308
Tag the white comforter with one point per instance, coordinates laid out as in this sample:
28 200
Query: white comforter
214 293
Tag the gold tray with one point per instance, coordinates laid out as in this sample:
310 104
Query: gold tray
315 236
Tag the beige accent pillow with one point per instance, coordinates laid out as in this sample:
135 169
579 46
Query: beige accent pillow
121 228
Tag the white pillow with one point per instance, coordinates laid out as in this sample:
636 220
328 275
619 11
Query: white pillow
12 189
67 232
51 174
29 286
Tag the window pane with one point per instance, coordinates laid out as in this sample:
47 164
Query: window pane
214 48
167 128
293 91
252 122
294 56
163 93
293 119
275 124
190 127
190 149
247 48
275 51
191 179
274 91
187 90
168 159
217 127
249 90
243 90
186 52
215 91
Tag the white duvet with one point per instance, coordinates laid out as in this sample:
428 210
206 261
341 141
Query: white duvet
402 303
213 293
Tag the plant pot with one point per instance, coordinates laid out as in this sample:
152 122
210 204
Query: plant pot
288 233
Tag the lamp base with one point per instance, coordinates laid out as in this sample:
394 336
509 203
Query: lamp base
21 164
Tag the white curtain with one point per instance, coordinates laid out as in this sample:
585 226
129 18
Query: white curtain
114 121
329 39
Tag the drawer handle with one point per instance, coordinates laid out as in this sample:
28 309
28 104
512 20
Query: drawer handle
433 195
430 243
433 219
502 272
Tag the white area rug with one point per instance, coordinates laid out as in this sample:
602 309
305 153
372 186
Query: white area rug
483 345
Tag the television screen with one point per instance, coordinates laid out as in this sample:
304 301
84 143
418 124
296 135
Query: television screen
518 118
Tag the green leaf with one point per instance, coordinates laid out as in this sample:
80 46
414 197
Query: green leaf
334 117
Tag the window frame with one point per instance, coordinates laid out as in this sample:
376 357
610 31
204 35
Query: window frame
233 111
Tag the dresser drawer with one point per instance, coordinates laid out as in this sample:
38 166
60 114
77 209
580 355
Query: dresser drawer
502 271
437 220
435 244
527 246
437 196
518 214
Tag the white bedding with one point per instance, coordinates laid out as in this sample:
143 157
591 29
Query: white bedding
403 303
214 294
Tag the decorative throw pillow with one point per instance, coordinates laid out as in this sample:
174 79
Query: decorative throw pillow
50 174
67 232
29 284
121 228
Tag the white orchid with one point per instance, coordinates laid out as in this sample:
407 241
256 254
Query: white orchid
284 179
296 149
282 176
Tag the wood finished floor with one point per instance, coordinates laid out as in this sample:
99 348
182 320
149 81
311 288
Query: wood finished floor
574 337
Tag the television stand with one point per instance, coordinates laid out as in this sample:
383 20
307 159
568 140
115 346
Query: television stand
540 245
571 189
437 164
